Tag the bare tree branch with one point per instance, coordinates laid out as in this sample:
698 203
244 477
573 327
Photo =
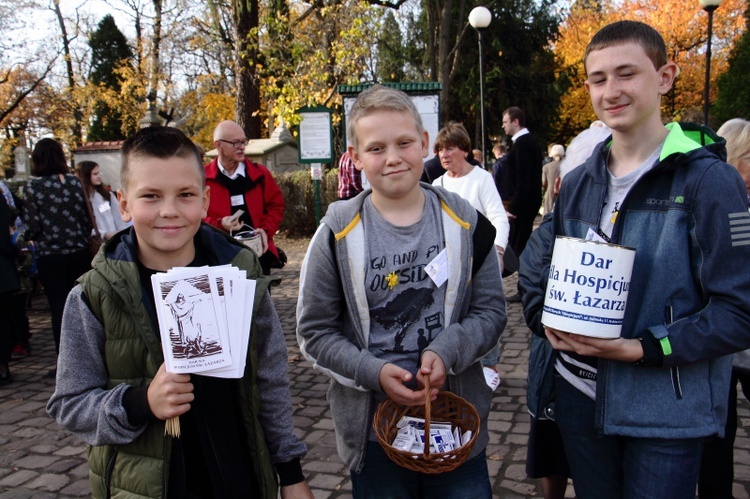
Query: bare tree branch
21 96
317 4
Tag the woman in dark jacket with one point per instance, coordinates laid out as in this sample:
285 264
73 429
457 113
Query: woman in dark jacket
9 284
60 224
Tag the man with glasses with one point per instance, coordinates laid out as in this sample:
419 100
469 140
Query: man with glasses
239 184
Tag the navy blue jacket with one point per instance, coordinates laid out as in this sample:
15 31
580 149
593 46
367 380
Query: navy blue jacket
690 287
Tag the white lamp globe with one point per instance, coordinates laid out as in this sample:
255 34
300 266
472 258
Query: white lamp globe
480 17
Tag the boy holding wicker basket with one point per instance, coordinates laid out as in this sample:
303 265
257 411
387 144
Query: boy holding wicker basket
400 297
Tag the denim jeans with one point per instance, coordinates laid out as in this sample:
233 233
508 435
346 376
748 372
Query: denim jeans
609 467
381 478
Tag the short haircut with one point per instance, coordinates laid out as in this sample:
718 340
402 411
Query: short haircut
621 32
516 113
500 148
453 134
737 134
557 151
380 98
48 158
83 172
159 142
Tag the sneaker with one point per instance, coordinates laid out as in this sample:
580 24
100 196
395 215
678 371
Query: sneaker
19 352
492 377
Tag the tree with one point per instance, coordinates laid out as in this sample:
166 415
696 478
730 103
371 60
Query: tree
402 47
446 49
109 53
247 98
683 26
77 123
733 100
24 104
23 67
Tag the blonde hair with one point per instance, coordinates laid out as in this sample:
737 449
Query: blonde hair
737 134
380 98
557 151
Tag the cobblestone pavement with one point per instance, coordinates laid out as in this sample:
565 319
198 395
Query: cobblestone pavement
39 459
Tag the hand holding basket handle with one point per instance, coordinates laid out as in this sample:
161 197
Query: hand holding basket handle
447 407
431 376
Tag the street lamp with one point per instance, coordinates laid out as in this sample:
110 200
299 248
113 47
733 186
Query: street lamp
151 118
709 6
480 18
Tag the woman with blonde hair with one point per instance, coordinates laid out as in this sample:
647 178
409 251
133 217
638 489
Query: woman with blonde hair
737 134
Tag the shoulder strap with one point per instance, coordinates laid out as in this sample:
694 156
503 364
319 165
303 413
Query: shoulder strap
483 240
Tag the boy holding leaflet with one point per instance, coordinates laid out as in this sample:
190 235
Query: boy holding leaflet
633 411
112 387
399 283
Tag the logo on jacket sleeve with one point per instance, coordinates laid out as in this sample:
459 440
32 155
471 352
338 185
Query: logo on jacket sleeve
739 224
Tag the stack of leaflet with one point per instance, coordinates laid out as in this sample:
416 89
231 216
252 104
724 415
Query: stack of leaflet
444 437
204 319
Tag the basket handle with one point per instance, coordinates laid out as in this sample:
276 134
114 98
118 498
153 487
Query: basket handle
427 415
252 229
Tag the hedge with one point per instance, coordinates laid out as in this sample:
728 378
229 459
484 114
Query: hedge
299 195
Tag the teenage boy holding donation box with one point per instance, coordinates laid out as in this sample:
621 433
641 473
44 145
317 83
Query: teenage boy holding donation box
661 387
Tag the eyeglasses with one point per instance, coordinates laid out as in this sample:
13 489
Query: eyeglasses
237 144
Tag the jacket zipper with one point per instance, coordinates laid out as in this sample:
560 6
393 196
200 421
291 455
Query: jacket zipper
674 370
108 472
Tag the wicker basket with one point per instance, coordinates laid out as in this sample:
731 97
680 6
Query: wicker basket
449 408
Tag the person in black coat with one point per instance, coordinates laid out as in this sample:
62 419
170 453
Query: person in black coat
9 284
524 178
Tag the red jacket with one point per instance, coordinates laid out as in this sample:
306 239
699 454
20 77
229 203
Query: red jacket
265 201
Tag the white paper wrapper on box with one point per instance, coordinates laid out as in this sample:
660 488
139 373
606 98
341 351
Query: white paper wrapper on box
587 288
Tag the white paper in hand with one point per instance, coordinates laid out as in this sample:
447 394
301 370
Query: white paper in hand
192 321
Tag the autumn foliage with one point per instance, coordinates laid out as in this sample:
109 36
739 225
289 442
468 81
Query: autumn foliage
683 25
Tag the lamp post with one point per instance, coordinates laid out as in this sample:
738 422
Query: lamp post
480 18
709 6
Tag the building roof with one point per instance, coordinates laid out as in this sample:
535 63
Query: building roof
413 87
105 145
280 137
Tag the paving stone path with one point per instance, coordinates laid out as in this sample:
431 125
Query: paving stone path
38 459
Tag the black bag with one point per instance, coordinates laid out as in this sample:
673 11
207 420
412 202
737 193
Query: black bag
510 262
279 264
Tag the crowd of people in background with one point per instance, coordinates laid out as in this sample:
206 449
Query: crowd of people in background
380 330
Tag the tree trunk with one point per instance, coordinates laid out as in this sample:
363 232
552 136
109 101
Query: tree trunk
247 103
77 127
432 30
155 66
444 38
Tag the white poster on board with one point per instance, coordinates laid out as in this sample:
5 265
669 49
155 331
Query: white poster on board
428 107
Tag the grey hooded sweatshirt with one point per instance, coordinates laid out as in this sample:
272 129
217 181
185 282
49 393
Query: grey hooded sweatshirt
333 316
